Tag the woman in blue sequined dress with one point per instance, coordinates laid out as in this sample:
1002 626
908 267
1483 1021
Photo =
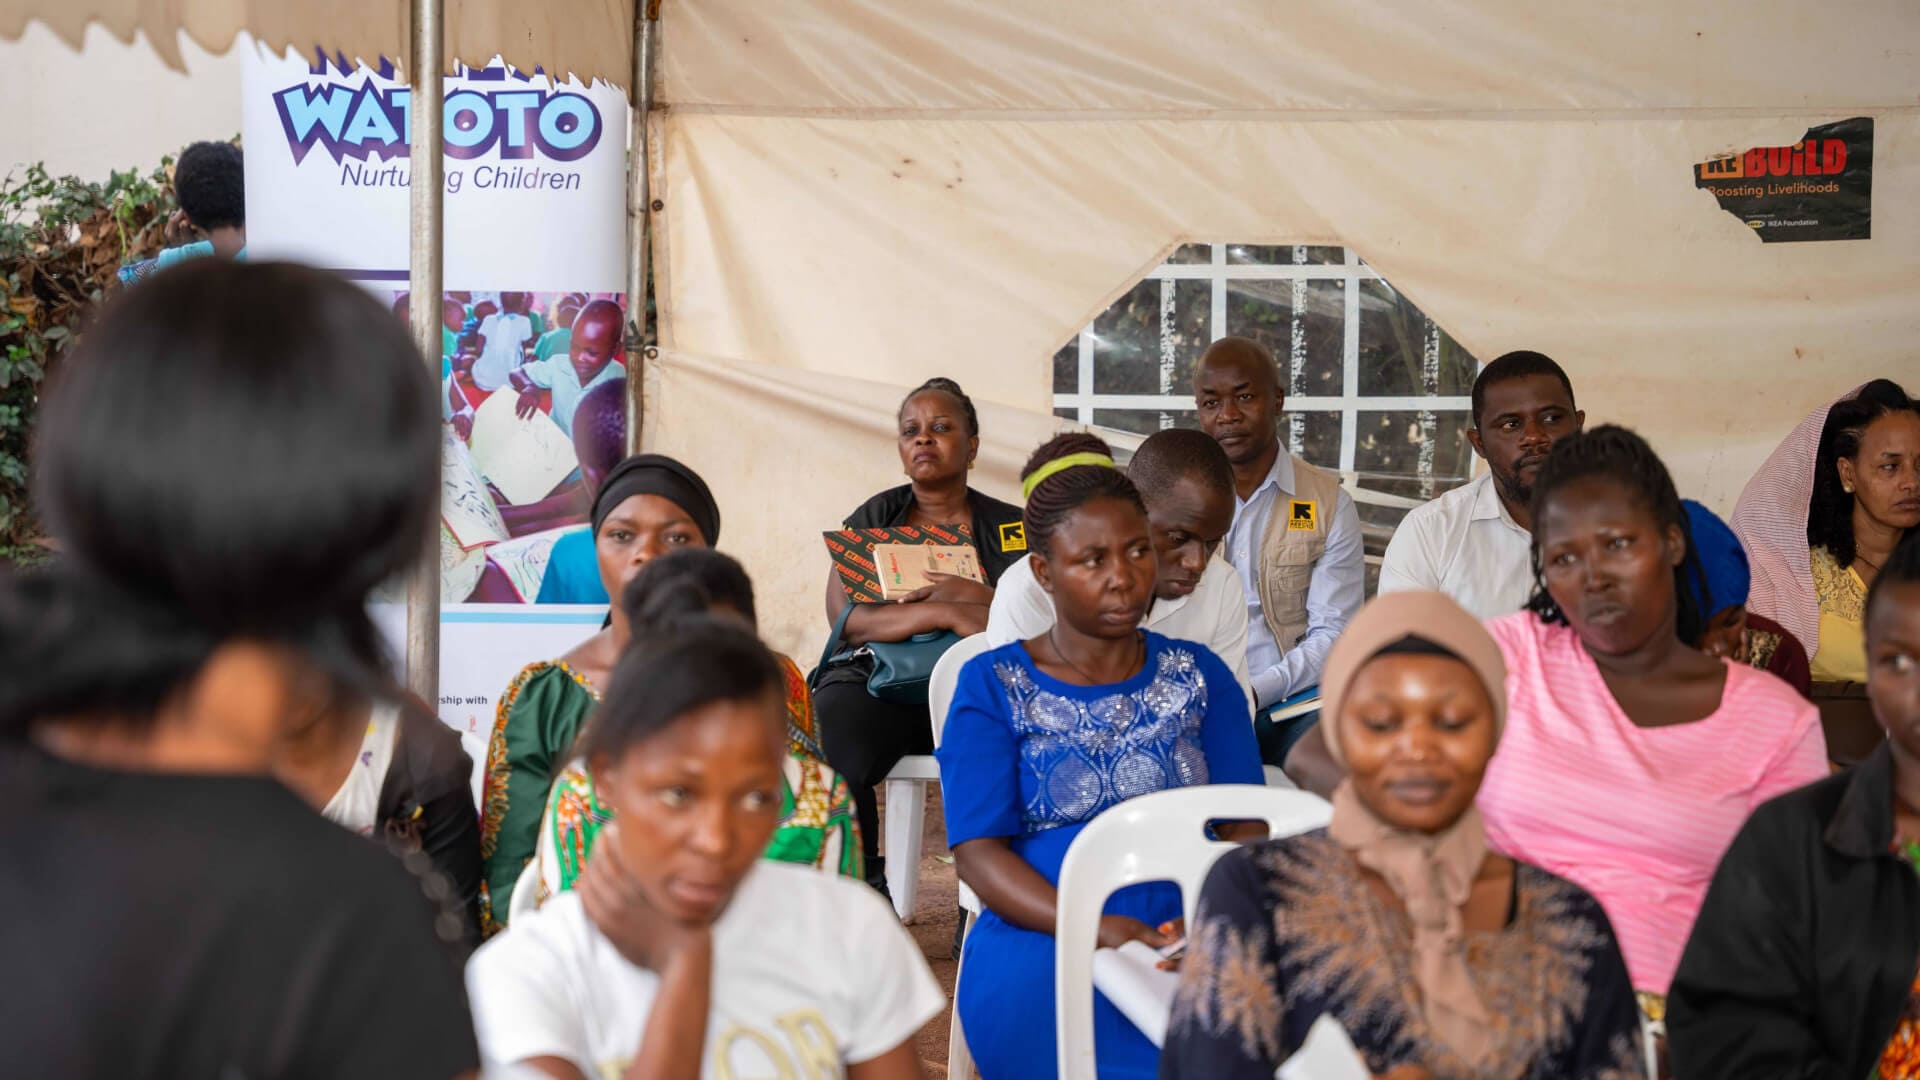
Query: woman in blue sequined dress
1045 734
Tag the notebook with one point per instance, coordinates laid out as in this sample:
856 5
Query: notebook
852 553
904 568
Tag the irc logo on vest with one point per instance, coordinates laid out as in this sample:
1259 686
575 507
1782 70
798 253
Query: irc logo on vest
1300 515
360 122
1013 536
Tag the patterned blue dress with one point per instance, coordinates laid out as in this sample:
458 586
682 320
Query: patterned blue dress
1032 759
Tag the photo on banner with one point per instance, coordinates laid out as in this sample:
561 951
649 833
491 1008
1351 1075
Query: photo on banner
531 372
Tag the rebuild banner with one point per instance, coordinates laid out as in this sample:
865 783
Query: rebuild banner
532 376
1819 188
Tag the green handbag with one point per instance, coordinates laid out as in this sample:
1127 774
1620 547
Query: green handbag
900 668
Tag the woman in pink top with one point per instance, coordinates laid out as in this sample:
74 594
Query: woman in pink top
1630 759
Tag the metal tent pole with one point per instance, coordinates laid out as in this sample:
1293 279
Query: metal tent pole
639 213
425 285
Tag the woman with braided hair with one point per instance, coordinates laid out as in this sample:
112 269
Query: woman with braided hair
1631 758
1045 734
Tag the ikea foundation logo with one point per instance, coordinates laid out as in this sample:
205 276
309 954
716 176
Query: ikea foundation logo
365 121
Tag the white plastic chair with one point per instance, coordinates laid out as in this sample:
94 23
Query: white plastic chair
526 892
906 785
1157 837
940 687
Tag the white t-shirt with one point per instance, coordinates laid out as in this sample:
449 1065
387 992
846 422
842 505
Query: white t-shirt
1465 545
1214 614
810 973
506 335
356 804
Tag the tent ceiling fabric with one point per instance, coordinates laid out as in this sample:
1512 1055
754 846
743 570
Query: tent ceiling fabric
892 189
1298 55
591 39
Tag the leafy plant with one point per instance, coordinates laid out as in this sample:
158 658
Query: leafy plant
62 242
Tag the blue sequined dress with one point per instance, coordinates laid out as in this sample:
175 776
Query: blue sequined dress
1030 758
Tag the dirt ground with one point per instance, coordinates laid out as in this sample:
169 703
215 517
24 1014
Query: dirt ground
934 911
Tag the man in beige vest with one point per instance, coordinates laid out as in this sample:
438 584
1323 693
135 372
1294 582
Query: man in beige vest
1295 538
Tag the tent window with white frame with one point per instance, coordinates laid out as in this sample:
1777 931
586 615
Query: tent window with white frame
1375 388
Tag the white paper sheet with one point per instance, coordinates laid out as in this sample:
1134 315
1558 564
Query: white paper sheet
466 509
1142 992
1328 1054
525 459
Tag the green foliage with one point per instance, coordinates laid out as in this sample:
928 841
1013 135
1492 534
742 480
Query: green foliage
62 242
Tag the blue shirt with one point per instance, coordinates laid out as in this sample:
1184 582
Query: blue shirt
1024 754
573 572
1334 593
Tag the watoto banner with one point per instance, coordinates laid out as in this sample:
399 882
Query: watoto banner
531 368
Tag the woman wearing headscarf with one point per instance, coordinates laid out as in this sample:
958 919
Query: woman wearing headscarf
648 505
1720 589
1441 957
1823 513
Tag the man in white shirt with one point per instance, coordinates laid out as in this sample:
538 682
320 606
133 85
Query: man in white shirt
1475 543
1187 484
1295 537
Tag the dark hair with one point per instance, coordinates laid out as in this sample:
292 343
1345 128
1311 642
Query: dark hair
1902 568
691 581
231 451
1167 457
210 184
1614 453
600 427
1830 510
672 668
1063 492
951 389
1515 365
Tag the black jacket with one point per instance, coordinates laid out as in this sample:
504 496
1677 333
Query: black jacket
1804 953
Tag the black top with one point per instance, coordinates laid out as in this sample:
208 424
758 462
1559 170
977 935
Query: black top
1805 950
997 531
426 806
176 925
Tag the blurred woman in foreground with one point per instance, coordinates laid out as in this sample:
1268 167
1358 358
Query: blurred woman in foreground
231 459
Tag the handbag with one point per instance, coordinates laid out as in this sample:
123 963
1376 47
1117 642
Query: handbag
901 669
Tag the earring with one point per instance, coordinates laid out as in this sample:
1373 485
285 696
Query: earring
1848 488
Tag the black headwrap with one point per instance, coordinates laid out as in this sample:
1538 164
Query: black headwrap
658 474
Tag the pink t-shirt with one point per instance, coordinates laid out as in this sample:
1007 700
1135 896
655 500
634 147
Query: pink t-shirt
1639 817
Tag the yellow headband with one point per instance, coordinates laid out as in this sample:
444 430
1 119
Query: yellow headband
1085 457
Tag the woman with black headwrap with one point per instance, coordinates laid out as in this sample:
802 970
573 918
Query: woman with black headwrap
648 505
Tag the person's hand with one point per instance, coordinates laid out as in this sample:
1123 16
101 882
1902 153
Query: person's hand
529 402
1117 930
639 932
179 230
463 426
1176 931
951 589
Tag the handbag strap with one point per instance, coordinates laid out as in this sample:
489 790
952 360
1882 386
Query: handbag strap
833 638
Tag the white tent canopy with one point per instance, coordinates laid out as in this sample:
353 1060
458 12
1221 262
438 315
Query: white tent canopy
887 191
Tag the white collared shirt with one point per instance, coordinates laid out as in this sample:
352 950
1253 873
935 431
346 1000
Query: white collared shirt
1213 615
1463 544
1334 595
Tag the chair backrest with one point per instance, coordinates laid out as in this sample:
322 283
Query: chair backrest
1157 837
946 677
526 892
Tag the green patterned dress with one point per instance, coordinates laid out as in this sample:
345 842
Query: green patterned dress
816 827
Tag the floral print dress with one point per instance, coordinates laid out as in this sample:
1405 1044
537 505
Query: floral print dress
1289 931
